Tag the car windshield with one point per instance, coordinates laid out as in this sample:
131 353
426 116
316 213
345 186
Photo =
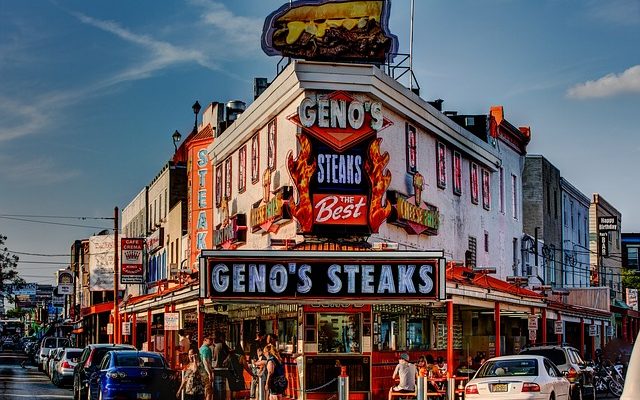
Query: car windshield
50 343
73 355
555 355
520 367
134 360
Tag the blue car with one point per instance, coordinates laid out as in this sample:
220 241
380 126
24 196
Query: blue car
132 375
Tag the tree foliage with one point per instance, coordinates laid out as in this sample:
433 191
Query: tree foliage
9 277
631 278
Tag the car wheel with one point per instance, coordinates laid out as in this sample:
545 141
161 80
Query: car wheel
76 389
615 388
553 396
576 394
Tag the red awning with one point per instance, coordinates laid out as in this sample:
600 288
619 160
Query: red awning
467 276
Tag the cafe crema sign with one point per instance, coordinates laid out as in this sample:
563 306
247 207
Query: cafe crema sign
312 275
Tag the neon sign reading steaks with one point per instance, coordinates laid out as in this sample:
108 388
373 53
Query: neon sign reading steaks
340 173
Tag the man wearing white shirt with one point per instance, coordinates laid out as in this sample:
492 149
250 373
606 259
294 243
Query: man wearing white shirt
405 372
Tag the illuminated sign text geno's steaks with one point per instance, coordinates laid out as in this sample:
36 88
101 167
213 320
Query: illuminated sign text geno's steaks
321 279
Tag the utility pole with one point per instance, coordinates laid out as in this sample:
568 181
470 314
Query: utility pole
116 315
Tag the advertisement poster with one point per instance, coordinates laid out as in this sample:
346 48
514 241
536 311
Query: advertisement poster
101 262
171 321
65 282
131 261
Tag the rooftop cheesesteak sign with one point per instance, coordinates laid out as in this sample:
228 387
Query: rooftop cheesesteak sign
312 275
339 172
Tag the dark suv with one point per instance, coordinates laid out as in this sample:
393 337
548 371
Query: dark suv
88 364
575 369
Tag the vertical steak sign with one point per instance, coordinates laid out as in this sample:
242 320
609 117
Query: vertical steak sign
339 173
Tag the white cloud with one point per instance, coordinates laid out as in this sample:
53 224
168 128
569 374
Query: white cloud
609 85
36 172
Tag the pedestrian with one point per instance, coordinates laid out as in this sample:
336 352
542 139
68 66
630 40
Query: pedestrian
221 354
405 373
195 382
184 345
276 383
258 362
206 357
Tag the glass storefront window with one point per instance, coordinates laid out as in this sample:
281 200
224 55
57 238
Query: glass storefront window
417 338
287 334
339 333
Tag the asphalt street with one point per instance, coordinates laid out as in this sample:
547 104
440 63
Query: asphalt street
21 383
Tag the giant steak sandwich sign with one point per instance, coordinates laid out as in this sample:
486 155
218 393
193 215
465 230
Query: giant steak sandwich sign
242 274
340 174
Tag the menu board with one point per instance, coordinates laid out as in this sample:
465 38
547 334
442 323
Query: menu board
441 339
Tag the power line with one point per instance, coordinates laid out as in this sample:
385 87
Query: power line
54 223
38 254
51 216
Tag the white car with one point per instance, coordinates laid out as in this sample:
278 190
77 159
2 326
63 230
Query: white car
518 378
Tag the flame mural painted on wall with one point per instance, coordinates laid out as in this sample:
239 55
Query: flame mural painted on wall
340 183
379 178
302 170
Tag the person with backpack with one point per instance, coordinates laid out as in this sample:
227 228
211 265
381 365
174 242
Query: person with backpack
221 361
276 380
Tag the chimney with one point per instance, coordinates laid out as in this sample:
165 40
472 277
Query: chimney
437 104
233 109
214 115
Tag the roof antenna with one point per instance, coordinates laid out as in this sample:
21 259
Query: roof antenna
411 47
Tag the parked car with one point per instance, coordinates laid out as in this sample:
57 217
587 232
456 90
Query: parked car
569 362
62 373
8 344
89 363
631 389
54 357
48 343
518 377
132 374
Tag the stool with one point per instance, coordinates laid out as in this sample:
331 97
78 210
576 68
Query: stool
402 395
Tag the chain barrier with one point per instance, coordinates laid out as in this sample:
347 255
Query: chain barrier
321 387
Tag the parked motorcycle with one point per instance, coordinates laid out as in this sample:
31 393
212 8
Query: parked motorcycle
608 377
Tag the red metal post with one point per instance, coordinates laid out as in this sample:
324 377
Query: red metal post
602 333
200 322
496 314
544 326
166 342
582 337
624 328
150 346
450 337
134 331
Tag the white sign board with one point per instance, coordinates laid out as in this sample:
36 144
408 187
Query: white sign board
171 321
533 335
533 322
126 328
109 328
611 331
101 262
593 330
632 298
558 328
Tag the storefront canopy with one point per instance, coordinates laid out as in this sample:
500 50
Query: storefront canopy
467 276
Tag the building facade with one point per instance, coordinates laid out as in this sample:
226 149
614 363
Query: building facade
575 236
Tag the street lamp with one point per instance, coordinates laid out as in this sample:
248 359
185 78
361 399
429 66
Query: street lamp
196 110
176 138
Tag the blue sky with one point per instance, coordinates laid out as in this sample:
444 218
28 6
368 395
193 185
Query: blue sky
90 93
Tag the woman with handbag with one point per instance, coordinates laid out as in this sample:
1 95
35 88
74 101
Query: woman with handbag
196 379
276 379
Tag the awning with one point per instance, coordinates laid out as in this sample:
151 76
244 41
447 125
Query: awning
621 304
467 276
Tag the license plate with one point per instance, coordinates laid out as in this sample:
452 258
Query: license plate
144 396
500 387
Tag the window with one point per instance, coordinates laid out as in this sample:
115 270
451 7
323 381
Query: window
218 184
515 253
339 333
457 173
632 257
255 158
160 210
486 189
242 169
271 145
555 204
412 165
474 182
441 165
566 211
571 213
227 178
548 193
579 228
486 241
520 367
514 195
501 198
469 121
166 202
470 254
